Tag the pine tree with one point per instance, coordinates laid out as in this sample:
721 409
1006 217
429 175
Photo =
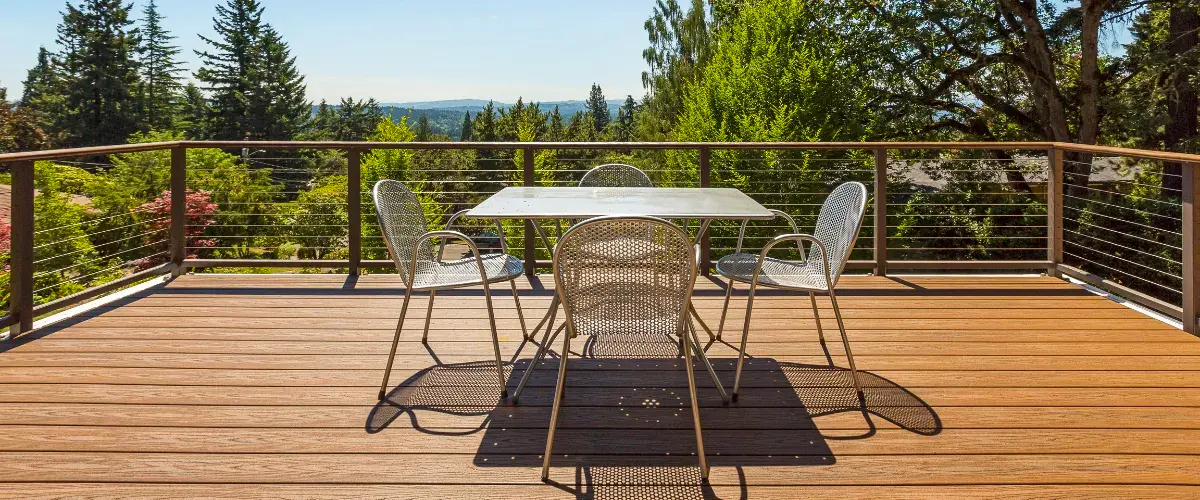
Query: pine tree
465 134
99 73
424 132
194 113
43 95
556 125
279 109
226 70
484 127
160 72
598 108
625 119
257 91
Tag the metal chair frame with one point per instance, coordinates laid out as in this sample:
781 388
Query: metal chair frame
830 278
418 249
684 329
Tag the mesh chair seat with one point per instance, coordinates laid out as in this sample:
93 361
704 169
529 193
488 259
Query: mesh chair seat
465 271
775 272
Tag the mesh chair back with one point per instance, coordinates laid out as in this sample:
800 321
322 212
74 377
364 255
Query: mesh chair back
403 222
615 175
837 227
625 276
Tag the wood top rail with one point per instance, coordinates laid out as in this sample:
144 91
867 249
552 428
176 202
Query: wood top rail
154 146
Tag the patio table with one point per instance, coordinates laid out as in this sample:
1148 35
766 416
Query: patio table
542 203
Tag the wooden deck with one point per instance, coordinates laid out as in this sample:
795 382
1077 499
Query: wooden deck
265 387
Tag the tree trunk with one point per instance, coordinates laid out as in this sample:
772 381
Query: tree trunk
1182 103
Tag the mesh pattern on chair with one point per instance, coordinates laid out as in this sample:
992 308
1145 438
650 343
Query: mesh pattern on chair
638 287
837 227
403 222
615 175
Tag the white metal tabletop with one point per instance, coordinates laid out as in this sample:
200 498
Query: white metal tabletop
585 202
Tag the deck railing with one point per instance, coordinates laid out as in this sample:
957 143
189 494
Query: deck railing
969 207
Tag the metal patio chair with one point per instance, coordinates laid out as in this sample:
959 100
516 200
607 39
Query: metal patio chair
407 234
831 243
615 175
638 289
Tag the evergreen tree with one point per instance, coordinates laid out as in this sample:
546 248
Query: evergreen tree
194 113
257 91
625 119
424 133
226 70
598 108
99 73
484 127
279 109
465 134
43 95
160 71
556 125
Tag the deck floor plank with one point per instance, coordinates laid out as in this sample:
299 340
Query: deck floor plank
257 386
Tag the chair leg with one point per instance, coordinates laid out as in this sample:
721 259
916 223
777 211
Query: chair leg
812 297
558 393
537 358
737 378
387 372
695 342
428 316
725 309
487 297
696 315
691 376
520 315
846 343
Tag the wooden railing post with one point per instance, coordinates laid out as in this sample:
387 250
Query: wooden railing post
881 163
178 209
530 243
705 243
1191 246
21 253
1054 212
354 208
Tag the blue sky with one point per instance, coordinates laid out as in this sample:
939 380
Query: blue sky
405 50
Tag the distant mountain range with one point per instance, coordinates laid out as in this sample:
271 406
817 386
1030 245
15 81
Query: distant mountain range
445 117
567 108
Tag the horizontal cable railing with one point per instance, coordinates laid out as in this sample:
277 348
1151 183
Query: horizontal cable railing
1124 220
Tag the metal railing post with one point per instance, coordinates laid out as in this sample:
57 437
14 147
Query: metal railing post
705 256
529 243
881 161
354 208
1191 246
21 253
1054 212
178 209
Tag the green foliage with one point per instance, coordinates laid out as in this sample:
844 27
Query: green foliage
350 120
598 107
160 68
256 90
97 74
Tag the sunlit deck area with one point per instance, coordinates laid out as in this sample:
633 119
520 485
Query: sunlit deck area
264 386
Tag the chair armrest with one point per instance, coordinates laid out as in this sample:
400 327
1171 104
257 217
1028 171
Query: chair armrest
459 215
778 213
799 239
443 235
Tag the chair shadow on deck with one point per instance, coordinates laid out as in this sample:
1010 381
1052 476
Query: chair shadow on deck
626 424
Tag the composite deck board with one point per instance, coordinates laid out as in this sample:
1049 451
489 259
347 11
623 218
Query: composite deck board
264 386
